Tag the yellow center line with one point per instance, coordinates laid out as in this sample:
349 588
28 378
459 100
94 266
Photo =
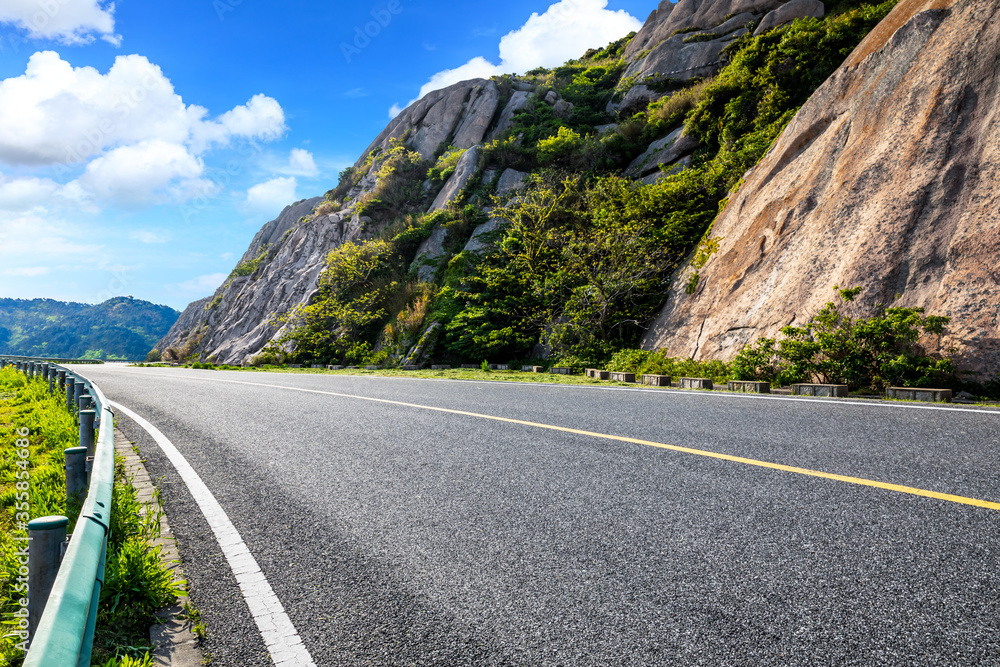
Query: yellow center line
860 481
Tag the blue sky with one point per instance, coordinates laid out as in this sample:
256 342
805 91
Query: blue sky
142 145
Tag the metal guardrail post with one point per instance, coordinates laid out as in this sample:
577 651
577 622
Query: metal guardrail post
70 389
61 379
87 429
45 538
76 475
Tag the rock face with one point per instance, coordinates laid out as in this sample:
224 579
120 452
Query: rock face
236 322
464 171
667 150
901 203
788 12
459 114
684 41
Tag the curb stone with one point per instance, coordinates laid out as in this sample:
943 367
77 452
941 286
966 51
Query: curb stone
174 642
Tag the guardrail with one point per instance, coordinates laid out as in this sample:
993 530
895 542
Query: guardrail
64 634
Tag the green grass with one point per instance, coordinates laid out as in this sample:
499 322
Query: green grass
27 405
136 583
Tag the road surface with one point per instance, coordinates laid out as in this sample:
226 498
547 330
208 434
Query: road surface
430 522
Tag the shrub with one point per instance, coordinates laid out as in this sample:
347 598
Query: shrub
873 352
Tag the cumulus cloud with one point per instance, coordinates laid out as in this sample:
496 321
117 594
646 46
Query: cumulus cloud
301 162
270 197
563 32
55 113
149 172
66 21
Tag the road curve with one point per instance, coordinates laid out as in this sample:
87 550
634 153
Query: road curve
428 522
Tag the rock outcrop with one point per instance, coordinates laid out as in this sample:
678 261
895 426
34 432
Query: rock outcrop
684 41
885 179
459 114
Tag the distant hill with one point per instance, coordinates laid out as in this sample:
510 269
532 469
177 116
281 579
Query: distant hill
120 328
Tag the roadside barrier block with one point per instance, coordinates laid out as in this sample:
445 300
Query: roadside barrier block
498 367
622 377
750 387
826 390
353 368
371 367
696 383
317 365
410 368
602 375
472 366
440 367
561 371
656 380
915 394
538 369
334 368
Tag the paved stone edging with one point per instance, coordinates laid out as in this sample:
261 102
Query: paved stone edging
174 641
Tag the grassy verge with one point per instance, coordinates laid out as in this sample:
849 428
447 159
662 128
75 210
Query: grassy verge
136 584
29 419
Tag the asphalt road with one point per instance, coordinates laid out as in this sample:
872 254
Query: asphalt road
399 535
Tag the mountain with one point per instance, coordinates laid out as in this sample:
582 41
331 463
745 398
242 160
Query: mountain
563 213
885 179
120 328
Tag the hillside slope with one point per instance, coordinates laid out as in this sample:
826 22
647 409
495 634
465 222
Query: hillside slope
902 203
551 214
120 328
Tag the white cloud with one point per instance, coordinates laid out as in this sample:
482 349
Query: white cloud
301 162
57 114
565 31
27 193
67 21
269 197
149 172
28 237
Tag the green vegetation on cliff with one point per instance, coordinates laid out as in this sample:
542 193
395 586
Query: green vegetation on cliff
584 256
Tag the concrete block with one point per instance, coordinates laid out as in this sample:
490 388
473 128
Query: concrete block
696 383
371 367
472 366
334 368
656 380
561 371
538 369
622 377
317 365
440 367
295 365
915 394
747 387
602 375
499 367
828 390
410 368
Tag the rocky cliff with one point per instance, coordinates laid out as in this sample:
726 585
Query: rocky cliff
280 270
885 179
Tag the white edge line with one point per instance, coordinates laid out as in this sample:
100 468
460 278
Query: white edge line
276 629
